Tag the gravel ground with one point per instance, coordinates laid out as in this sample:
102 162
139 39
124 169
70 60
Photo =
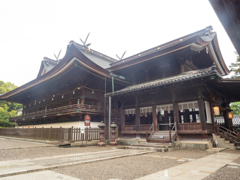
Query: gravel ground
15 144
237 161
225 173
130 167
30 153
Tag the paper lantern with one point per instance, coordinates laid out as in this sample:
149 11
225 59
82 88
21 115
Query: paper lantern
230 115
216 111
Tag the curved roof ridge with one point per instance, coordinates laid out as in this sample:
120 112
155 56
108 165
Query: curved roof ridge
163 46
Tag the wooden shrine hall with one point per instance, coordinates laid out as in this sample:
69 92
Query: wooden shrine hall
175 87
171 91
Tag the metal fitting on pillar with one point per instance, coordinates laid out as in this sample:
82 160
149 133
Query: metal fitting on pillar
101 134
113 131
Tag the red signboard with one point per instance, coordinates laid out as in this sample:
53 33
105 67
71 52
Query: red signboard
87 120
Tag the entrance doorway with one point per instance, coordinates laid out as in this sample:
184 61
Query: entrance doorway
165 117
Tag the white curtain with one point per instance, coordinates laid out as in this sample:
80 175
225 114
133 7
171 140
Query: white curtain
146 109
208 112
164 107
188 105
130 111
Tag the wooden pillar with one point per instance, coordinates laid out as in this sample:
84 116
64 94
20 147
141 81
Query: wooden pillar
194 116
212 116
104 106
175 109
154 117
228 122
166 120
137 118
83 99
122 119
202 114
186 116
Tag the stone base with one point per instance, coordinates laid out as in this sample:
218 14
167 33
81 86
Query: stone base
101 144
84 143
113 144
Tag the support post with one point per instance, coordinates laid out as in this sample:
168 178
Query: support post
201 109
122 119
228 122
104 115
137 118
109 119
202 114
137 115
154 116
82 99
175 109
170 136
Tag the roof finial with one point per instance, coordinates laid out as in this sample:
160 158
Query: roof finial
122 55
58 55
85 42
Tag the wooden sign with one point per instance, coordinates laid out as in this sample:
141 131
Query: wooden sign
87 120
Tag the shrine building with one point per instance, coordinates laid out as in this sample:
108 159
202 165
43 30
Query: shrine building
171 91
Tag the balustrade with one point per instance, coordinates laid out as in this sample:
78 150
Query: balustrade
69 109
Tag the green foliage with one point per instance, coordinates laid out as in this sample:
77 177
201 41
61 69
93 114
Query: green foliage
235 107
235 67
7 109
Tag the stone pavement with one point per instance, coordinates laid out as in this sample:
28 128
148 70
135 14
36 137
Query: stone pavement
197 169
46 175
15 167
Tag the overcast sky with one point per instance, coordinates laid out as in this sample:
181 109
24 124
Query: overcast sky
31 30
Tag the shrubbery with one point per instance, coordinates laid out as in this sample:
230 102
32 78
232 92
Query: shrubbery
7 109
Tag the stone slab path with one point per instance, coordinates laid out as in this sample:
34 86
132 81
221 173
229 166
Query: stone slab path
197 169
15 167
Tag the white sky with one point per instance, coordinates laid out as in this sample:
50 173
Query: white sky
31 30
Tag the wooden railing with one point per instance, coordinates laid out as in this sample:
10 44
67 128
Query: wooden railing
86 134
189 126
52 134
34 133
173 131
60 110
150 130
231 136
130 128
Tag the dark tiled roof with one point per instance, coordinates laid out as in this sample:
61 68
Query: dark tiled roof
169 80
49 64
99 58
163 46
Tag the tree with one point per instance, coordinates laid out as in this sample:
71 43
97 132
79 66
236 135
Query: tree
7 109
235 67
235 107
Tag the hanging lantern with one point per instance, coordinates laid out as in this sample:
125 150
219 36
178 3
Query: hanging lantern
216 111
230 115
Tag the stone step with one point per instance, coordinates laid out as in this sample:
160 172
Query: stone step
155 145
